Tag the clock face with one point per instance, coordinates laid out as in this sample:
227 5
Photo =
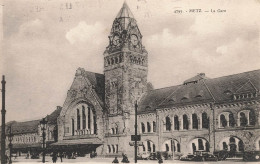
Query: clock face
116 40
134 39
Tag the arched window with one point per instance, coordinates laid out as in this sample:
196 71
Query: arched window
88 110
109 148
193 147
176 123
223 121
78 119
148 146
232 140
231 120
185 122
143 127
201 147
251 117
205 120
153 147
116 148
225 146
154 126
113 131
168 123
166 147
178 147
243 119
95 122
240 146
143 148
232 144
194 121
116 130
83 117
72 126
148 127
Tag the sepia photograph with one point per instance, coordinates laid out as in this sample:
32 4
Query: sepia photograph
130 81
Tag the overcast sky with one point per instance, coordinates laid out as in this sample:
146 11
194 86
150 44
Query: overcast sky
45 41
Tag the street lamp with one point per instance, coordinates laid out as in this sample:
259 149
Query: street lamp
10 139
43 124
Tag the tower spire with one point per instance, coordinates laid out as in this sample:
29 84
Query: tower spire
125 12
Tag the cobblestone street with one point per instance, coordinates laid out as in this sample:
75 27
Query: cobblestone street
109 160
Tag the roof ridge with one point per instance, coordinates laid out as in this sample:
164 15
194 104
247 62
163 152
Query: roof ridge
166 87
234 74
93 72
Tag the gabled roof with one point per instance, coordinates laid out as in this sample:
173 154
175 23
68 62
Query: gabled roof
203 90
98 81
24 127
95 79
52 118
125 12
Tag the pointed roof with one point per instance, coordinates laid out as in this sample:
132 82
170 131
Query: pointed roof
200 89
125 12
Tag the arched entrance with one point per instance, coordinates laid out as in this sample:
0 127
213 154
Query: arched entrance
171 145
232 144
148 147
198 144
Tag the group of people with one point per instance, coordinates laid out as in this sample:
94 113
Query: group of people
125 159
55 156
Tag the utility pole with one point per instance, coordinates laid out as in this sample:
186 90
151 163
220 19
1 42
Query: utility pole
136 106
3 111
213 130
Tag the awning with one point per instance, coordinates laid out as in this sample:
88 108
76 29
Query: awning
90 141
23 146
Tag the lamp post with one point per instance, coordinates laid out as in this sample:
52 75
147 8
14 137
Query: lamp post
43 124
3 111
10 138
136 106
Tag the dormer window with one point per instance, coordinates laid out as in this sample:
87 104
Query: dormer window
227 92
171 101
184 98
198 96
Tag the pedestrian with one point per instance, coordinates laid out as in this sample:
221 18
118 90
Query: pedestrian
54 157
159 158
61 155
125 159
115 160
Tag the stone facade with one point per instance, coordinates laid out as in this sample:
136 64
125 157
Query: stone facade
202 114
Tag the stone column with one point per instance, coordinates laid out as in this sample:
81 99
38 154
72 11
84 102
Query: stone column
151 124
181 123
81 118
190 121
91 122
200 122
87 120
248 121
173 124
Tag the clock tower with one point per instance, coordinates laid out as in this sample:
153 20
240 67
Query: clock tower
125 65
